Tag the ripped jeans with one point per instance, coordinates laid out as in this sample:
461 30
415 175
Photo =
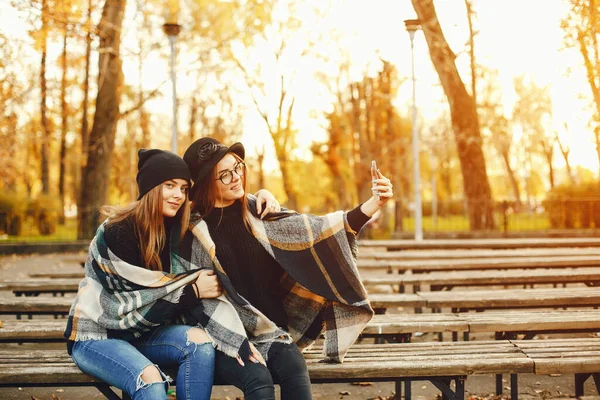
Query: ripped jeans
121 364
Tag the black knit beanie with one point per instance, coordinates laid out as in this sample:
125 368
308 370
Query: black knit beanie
157 166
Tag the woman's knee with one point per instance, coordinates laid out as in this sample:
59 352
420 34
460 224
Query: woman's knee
151 374
202 345
198 336
258 379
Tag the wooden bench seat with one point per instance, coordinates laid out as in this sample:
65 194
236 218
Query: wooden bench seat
57 275
448 279
506 324
580 356
439 363
35 287
437 280
492 299
465 254
500 243
35 306
474 264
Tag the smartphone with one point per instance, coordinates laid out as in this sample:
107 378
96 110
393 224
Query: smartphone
374 174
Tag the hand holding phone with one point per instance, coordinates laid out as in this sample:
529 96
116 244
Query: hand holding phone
374 176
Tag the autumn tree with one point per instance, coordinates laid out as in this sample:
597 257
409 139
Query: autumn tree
94 187
497 127
365 126
581 28
464 119
533 111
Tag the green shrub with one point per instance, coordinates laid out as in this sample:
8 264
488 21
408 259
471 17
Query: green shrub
45 210
12 213
574 206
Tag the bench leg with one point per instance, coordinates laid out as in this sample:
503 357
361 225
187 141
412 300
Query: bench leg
579 381
514 387
498 384
105 389
398 395
460 388
443 384
408 390
596 377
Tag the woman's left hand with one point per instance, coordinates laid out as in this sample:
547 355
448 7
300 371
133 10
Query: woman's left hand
266 203
255 356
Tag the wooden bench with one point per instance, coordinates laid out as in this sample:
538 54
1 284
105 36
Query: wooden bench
491 299
504 324
437 280
439 363
57 275
501 243
440 280
30 306
35 287
578 356
394 327
436 254
471 264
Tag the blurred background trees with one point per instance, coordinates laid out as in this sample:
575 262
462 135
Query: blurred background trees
85 84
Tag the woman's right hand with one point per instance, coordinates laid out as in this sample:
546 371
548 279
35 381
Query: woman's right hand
207 285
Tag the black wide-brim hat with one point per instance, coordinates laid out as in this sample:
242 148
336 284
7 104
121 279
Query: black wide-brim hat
202 155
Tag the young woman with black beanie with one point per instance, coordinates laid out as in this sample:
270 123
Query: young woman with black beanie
122 325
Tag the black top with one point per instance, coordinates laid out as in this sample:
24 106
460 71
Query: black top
253 272
121 239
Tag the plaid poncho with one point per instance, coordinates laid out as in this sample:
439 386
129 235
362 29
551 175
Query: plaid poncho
324 290
120 300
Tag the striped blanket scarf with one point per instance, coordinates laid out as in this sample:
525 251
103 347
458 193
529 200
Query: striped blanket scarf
324 291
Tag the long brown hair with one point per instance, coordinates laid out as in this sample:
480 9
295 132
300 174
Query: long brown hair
148 223
205 192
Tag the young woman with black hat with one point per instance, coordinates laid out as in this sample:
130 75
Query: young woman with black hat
120 325
286 278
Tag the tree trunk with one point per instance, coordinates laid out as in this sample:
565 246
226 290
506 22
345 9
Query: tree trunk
470 13
565 153
84 106
45 143
464 120
512 177
95 180
64 128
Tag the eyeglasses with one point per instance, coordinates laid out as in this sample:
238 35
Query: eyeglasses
227 176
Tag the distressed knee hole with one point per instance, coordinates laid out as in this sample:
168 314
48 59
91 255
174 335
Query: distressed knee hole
197 336
151 374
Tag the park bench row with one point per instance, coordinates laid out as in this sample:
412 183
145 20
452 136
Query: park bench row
439 363
396 327
494 244
367 253
456 300
61 283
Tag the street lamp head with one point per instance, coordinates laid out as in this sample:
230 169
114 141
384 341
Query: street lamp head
171 29
412 25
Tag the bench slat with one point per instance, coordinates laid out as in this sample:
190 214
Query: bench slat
491 263
488 277
370 253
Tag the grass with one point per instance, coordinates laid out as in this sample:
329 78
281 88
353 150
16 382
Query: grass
30 233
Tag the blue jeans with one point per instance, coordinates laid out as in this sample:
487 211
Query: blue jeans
121 364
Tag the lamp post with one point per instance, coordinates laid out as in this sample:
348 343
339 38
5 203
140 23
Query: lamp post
172 29
413 25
